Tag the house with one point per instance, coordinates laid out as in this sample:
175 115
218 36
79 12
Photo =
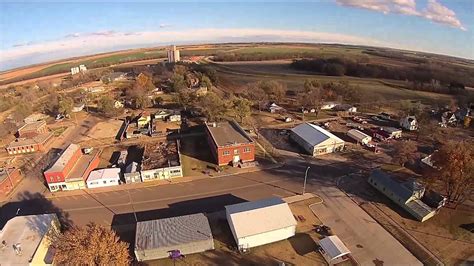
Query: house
118 104
162 114
26 240
32 129
115 76
334 251
187 234
359 136
448 119
385 116
132 173
161 161
328 105
409 123
71 169
229 143
274 108
393 133
104 178
345 108
260 222
315 140
9 178
408 194
29 145
143 120
78 107
174 117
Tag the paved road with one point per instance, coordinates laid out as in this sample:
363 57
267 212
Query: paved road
207 195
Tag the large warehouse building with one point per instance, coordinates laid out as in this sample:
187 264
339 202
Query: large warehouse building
316 140
260 222
187 234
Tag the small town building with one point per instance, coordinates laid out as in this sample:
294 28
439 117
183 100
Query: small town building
143 120
32 129
393 133
174 117
345 108
316 140
408 194
132 173
104 178
71 169
359 136
78 107
115 76
161 161
409 123
274 108
186 234
162 115
29 145
260 222
328 105
229 143
334 251
26 240
9 178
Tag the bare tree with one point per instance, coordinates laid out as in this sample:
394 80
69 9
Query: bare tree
257 95
90 245
454 169
404 151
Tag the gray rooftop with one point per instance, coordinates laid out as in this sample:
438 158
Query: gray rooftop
313 134
228 133
391 184
32 126
39 139
64 158
172 231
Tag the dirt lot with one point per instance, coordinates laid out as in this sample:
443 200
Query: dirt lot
106 129
298 250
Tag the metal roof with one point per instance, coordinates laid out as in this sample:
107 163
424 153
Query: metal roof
64 158
420 208
391 185
106 173
28 231
228 133
333 247
356 134
256 217
313 134
32 126
172 231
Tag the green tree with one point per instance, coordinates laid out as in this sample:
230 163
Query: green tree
178 82
213 107
90 245
276 91
242 107
257 95
185 98
206 82
65 105
106 106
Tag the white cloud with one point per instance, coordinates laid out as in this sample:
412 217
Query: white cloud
87 43
434 11
165 25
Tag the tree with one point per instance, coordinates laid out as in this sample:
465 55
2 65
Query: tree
213 107
276 91
206 82
257 95
65 105
185 98
178 82
106 106
404 151
454 169
144 82
90 245
242 107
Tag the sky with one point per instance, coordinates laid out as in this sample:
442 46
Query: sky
33 32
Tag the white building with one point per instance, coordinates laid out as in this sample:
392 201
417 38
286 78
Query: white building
103 178
359 136
333 250
173 54
328 105
74 70
175 117
260 222
409 123
82 68
316 140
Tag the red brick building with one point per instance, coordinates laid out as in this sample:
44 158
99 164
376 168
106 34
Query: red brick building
33 129
29 145
229 143
9 178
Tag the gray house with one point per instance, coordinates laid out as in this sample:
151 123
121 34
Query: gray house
409 194
187 234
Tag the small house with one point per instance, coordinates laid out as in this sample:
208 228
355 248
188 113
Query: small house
359 136
274 108
394 133
409 123
104 178
175 117
334 251
345 108
162 115
328 105
143 120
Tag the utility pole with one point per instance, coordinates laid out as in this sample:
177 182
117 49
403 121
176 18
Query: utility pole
305 177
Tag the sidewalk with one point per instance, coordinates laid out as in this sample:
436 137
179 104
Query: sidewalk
177 180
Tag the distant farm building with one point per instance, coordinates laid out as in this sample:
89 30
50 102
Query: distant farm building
315 140
187 234
229 143
409 123
260 222
359 136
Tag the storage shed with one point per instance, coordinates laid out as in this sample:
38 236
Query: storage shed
260 222
316 140
359 136
333 250
189 234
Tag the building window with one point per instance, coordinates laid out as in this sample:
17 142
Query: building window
246 149
226 153
175 171
236 152
105 181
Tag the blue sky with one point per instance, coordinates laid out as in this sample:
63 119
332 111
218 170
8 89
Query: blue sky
32 32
